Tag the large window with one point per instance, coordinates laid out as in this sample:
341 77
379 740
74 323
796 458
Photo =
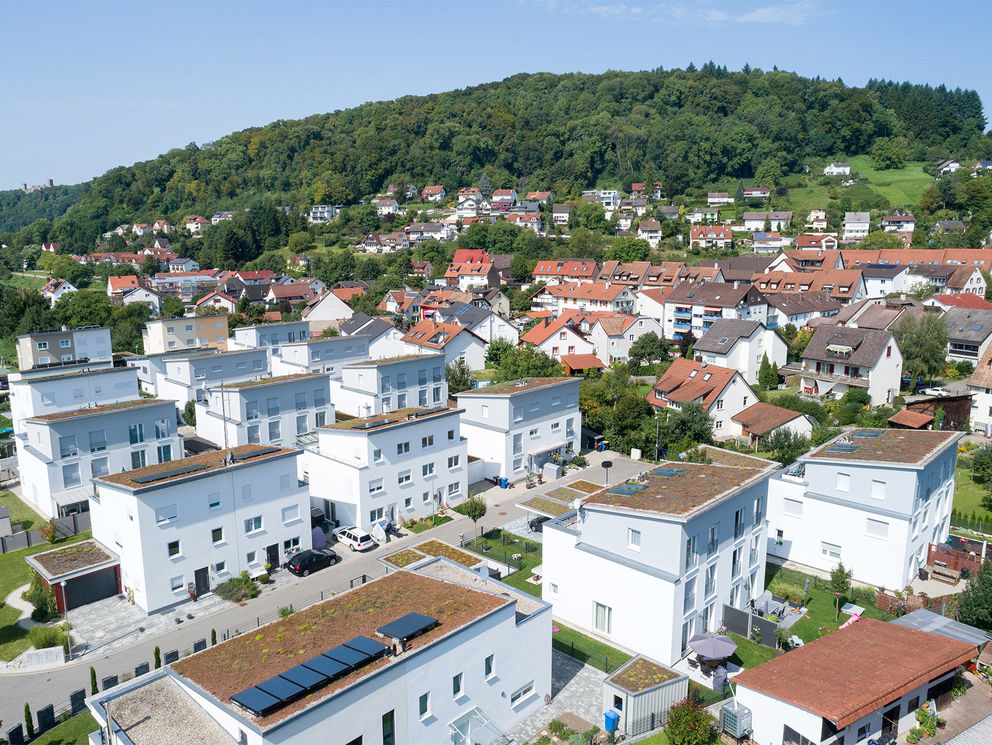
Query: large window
710 579
689 595
690 552
713 540
138 459
136 433
98 441
67 446
388 728
739 523
735 562
164 453
425 704
602 618
456 685
521 693
161 428
272 406
70 475
253 523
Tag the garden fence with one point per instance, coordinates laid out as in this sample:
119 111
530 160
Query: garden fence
983 527
586 656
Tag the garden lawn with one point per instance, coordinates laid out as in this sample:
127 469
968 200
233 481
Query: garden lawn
588 650
427 523
20 513
750 654
15 572
74 731
5 422
501 546
819 605
968 495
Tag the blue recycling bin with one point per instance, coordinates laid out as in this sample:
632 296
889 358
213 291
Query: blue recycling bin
611 719
504 483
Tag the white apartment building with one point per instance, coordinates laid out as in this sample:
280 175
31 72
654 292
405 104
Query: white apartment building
269 411
382 386
88 344
447 656
149 366
400 466
676 545
384 339
874 499
165 334
53 390
839 358
588 296
613 337
325 354
856 226
269 335
58 454
693 307
517 427
201 521
741 345
186 377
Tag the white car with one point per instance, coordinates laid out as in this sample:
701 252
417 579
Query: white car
355 538
939 392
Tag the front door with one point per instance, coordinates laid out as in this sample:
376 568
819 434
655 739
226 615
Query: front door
272 555
890 721
201 580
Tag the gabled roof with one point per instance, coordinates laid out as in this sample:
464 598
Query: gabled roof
721 337
964 324
717 294
216 293
616 325
740 268
585 268
545 329
587 291
582 362
964 300
436 335
911 419
830 342
710 232
295 290
119 284
760 418
686 381
431 190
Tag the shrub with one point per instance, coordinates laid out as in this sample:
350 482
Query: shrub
44 637
238 588
93 689
786 590
286 610
263 579
158 658
28 721
41 596
559 729
47 531
579 460
213 637
688 724
864 596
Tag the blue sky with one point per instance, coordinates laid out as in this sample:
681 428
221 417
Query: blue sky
87 86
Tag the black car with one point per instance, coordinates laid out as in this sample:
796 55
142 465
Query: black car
304 562
536 525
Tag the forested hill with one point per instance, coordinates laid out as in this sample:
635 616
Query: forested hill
564 132
18 209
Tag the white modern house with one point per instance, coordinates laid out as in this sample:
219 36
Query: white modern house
517 427
201 520
399 466
88 344
384 339
850 702
741 345
185 378
269 411
325 354
269 335
883 279
837 169
59 453
874 499
856 226
382 386
53 390
839 358
676 545
453 341
432 654
613 336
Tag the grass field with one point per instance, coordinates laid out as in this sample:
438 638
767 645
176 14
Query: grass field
74 731
968 495
590 651
15 572
501 548
750 654
25 283
20 512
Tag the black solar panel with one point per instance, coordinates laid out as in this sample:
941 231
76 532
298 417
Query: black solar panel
253 453
305 677
350 657
326 666
281 688
256 701
407 627
368 646
159 475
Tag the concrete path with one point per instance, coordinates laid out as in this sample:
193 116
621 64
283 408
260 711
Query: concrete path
14 600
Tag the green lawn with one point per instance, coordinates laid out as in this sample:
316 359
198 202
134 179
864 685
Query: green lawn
968 495
5 421
427 523
19 511
750 654
25 283
770 396
501 546
590 651
902 187
75 731
15 572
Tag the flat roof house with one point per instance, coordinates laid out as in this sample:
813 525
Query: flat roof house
326 354
873 498
87 344
269 335
430 655
165 334
676 545
383 386
399 466
517 427
850 701
268 411
196 522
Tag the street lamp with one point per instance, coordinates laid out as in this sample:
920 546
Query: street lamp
656 421
65 612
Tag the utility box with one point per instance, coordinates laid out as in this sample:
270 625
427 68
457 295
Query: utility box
735 719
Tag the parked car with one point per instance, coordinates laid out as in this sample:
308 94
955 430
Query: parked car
536 525
936 391
354 538
310 560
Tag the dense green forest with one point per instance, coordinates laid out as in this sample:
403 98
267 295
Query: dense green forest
18 209
688 128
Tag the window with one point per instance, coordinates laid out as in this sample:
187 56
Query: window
779 537
301 424
70 475
485 411
402 447
377 455
427 442
428 469
755 548
793 507
250 557
220 566
138 459
427 497
633 539
830 550
272 406
291 513
400 400
453 489
161 428
878 489
735 562
136 433
425 705
690 552
408 503
42 345
67 446
403 478
98 441
213 501
759 510
290 543
253 523
553 587
319 418
164 453
489 666
533 433
437 394
739 523
844 482
275 435
713 540
518 444
217 535
710 579
301 401
388 728
453 461
689 595
863 732
456 685
877 528
521 694
173 548
253 438
555 426
251 410
602 618
375 486
99 467
176 583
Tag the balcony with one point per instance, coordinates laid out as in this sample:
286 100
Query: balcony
682 324
682 313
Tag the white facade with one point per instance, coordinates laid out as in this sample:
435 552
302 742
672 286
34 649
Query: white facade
55 390
876 516
856 226
68 345
185 378
682 316
833 379
492 327
58 454
747 352
205 526
665 576
565 340
884 284
517 427
651 303
402 467
382 386
837 169
465 345
736 396
272 411
615 347
269 335
326 354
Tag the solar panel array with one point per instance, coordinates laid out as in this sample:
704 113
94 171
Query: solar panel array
867 433
667 472
627 490
407 627
283 689
253 453
159 475
841 447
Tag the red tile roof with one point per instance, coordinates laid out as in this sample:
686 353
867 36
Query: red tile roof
435 335
545 329
431 190
582 362
710 232
470 255
964 300
295 290
587 291
347 293
686 381
584 268
126 282
911 419
759 419
216 293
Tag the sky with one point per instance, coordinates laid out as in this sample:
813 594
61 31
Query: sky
86 85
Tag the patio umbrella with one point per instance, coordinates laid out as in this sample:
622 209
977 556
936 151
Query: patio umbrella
712 646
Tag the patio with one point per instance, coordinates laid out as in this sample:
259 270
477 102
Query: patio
698 676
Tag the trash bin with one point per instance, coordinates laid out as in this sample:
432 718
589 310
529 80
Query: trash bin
924 574
503 483
610 720
965 572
